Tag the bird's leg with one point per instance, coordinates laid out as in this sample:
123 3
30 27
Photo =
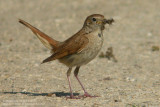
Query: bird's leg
76 75
69 81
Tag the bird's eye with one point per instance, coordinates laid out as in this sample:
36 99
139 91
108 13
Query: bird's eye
94 19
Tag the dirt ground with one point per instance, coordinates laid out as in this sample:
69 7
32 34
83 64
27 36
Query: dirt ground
135 38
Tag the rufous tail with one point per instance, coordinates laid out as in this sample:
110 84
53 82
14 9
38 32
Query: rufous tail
47 41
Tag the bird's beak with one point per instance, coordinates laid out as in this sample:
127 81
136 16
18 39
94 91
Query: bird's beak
108 21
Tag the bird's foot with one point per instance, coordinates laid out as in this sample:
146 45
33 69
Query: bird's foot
79 97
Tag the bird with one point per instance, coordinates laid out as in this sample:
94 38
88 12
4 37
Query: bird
79 49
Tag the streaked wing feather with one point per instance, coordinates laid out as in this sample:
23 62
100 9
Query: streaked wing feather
72 46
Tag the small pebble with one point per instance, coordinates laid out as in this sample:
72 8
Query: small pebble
155 48
130 79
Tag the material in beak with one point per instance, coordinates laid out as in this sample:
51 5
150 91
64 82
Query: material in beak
108 21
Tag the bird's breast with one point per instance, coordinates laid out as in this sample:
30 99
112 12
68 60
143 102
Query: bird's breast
92 48
95 40
88 53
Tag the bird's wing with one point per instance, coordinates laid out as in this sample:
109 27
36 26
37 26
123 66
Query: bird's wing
73 45
47 41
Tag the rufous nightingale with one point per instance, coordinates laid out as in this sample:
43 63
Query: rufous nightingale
77 50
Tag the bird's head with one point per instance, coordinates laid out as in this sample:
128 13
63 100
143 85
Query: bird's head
97 21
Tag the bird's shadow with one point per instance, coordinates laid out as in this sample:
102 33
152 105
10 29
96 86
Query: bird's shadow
58 94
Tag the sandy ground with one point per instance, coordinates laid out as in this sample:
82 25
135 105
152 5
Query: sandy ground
133 81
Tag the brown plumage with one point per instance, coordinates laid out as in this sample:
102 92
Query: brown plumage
79 49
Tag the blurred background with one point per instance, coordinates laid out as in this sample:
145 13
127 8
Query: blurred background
134 37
